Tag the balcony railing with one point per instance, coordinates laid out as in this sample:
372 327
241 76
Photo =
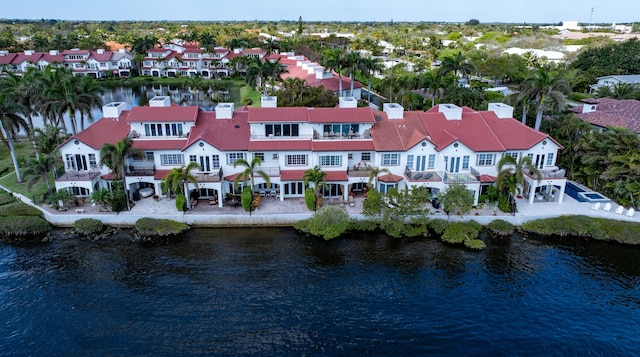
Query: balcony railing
359 171
142 168
270 171
429 176
79 175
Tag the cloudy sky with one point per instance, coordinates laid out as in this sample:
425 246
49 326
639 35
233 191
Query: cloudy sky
515 11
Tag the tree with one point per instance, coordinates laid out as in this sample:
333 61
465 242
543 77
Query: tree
511 173
432 81
114 157
352 64
178 178
38 169
49 137
369 66
248 175
545 86
317 178
456 198
334 60
375 171
458 65
11 122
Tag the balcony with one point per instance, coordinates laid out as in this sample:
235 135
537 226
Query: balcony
270 171
141 168
213 176
423 176
79 175
359 172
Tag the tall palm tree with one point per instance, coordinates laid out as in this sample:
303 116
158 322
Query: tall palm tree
458 65
251 169
179 177
545 86
352 63
375 172
38 169
512 172
12 120
316 177
369 66
114 157
89 98
334 60
27 90
431 80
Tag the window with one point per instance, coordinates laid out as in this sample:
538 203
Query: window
549 159
513 155
530 156
485 159
330 160
446 163
171 159
275 156
350 156
215 161
281 130
365 156
153 129
410 162
385 187
432 161
94 163
294 188
70 162
259 154
148 155
193 158
173 129
296 160
389 159
465 162
233 156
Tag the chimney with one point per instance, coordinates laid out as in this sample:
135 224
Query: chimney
450 111
348 102
54 52
224 111
113 109
100 51
160 101
29 52
503 111
393 110
122 50
589 108
322 74
269 102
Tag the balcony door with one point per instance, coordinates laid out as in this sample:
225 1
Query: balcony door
205 163
421 163
454 164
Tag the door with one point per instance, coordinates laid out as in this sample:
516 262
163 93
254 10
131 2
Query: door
540 161
454 165
205 163
81 162
421 163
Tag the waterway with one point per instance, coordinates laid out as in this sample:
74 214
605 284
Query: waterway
273 292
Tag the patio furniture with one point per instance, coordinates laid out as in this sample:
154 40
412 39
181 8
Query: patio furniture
631 212
607 207
619 210
146 192
596 206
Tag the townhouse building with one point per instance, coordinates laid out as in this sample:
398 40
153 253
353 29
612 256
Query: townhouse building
431 149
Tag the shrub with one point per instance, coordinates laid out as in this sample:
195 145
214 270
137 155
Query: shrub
501 227
577 226
476 244
438 226
147 229
328 222
19 209
364 225
466 233
23 226
577 96
88 226
6 199
310 198
246 198
181 202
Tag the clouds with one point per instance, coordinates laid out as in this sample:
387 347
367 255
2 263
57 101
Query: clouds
515 11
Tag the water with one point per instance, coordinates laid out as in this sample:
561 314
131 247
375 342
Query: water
271 292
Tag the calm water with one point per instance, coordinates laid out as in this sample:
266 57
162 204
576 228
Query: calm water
271 292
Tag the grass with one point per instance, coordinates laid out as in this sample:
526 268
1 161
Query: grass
247 92
24 149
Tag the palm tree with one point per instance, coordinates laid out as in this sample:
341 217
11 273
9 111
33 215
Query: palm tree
316 177
27 90
12 120
458 65
375 172
49 137
335 61
114 157
432 80
249 172
369 66
89 97
352 63
179 177
511 173
38 169
544 85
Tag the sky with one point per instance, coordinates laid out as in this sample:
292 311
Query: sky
512 11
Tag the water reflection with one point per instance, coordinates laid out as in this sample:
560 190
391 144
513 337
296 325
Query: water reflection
273 291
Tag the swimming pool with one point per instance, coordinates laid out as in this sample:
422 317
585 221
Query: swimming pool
583 194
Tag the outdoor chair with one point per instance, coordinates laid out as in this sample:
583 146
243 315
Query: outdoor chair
619 210
607 207
596 206
631 212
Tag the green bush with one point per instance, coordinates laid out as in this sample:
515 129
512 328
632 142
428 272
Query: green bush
6 199
501 227
19 209
577 97
328 222
310 198
246 198
364 225
23 226
181 202
587 227
438 226
88 226
149 228
466 233
476 244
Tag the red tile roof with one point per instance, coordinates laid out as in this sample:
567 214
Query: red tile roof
101 57
163 114
161 174
615 113
291 175
336 176
341 115
513 134
390 178
6 59
103 131
22 57
280 114
222 133
162 144
487 178
280 145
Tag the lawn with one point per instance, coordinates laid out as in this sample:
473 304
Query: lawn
24 149
247 92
